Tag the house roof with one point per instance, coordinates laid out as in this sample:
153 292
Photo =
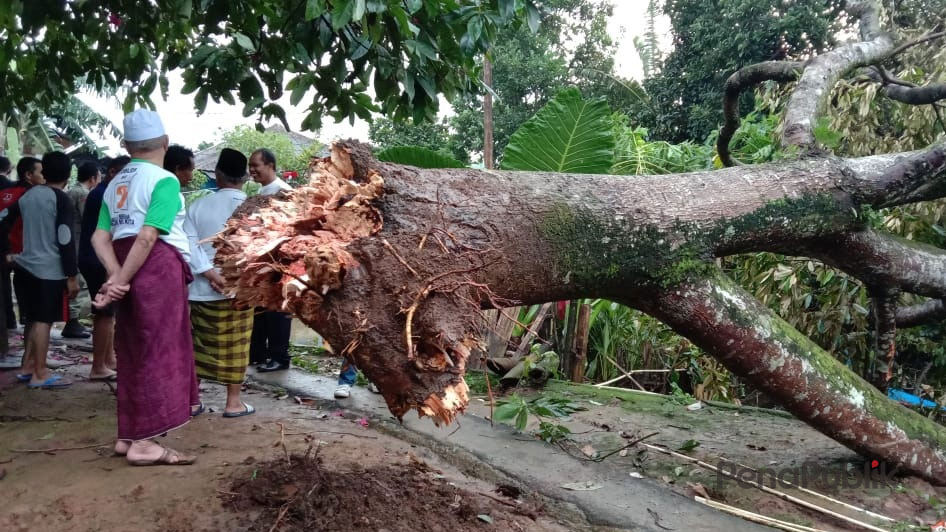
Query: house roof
206 159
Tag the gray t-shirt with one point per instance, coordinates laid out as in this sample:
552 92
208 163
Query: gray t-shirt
48 247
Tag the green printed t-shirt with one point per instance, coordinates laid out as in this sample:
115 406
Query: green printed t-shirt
145 194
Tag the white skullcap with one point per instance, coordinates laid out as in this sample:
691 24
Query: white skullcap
143 124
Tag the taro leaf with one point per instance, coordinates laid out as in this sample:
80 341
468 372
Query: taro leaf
569 134
419 157
506 411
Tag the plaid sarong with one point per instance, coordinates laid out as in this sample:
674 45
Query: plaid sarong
221 340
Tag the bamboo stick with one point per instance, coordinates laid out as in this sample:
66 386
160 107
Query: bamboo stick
815 494
771 491
757 518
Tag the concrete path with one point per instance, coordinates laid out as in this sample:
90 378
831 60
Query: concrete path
622 501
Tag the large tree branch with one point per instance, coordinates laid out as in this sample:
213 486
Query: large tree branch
880 259
758 346
823 72
929 311
742 79
923 95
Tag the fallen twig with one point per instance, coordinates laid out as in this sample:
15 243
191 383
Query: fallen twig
656 517
57 449
331 432
282 513
282 442
520 509
602 457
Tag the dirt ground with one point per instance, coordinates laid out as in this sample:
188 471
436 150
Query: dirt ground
341 474
747 437
353 479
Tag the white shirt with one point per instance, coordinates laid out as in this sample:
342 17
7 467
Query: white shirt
145 194
274 187
206 217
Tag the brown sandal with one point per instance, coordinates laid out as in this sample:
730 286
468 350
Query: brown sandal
169 457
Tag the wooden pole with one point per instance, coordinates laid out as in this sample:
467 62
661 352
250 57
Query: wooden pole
488 115
581 343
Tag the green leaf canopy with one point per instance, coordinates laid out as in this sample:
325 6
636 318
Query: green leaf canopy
569 134
419 157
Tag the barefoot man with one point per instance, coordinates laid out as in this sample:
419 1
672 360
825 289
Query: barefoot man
141 242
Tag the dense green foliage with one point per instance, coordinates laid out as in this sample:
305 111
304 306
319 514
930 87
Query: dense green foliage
713 39
289 157
435 136
418 156
529 69
345 58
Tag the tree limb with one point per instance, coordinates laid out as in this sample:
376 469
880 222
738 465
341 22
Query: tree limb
823 72
881 259
929 36
782 71
929 311
759 347
922 95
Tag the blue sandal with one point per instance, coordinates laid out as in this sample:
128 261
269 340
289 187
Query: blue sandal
24 377
247 410
54 381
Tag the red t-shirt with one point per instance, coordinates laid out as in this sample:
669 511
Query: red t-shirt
8 197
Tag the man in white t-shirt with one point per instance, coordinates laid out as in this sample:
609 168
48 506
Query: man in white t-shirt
221 332
269 346
141 242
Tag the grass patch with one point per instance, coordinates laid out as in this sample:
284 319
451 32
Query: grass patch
477 383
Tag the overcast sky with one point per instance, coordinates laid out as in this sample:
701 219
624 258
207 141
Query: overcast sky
186 128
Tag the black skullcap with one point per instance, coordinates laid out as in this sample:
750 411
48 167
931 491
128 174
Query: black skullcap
232 163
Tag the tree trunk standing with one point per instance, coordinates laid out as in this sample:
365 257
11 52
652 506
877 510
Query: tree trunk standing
488 158
581 343
397 270
884 310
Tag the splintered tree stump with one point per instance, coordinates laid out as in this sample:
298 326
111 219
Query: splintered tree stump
396 264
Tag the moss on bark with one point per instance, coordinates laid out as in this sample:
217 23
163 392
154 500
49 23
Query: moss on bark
596 248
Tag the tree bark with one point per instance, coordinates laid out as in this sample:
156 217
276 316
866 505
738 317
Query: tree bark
488 158
398 267
581 343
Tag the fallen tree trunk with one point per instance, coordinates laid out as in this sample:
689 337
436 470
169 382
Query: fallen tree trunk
404 297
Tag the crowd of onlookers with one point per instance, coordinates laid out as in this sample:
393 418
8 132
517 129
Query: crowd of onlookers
160 318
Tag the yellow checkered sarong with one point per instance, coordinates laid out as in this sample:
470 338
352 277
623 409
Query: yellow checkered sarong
221 340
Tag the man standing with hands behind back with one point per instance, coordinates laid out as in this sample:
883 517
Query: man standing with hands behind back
269 345
141 242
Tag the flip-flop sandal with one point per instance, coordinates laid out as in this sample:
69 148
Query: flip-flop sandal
166 459
24 377
247 410
55 381
199 411
106 378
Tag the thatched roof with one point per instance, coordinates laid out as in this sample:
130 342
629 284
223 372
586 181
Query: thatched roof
207 159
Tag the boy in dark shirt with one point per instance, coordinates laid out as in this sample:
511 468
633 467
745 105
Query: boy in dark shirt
46 269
